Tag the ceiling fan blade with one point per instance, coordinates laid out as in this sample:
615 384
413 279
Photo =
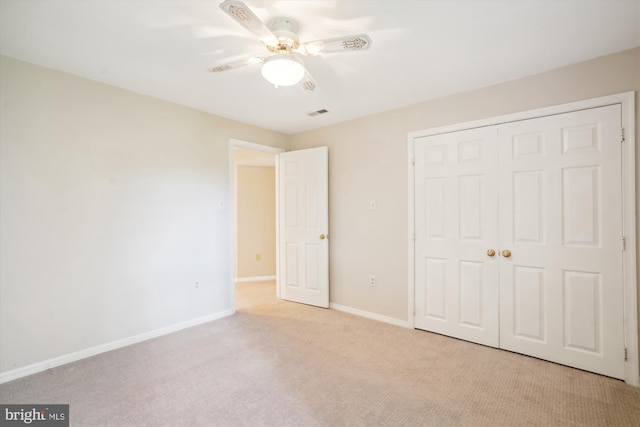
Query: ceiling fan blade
338 44
307 83
241 13
237 64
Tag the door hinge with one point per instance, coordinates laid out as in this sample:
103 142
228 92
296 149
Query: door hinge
413 236
624 244
626 358
413 161
622 135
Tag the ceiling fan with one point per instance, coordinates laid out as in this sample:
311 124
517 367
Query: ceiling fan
284 66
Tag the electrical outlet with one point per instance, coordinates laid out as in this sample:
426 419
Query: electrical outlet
197 285
373 205
372 280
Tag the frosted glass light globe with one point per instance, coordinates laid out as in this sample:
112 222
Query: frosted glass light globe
283 70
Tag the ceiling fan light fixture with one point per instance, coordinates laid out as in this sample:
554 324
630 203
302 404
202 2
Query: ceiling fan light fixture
283 70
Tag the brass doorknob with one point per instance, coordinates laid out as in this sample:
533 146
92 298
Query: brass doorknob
506 253
322 237
491 252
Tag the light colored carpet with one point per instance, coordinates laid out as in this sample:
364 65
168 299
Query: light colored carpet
277 363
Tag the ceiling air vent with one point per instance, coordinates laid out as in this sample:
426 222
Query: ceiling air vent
317 113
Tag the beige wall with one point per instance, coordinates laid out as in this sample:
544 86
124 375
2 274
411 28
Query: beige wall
108 212
256 221
368 161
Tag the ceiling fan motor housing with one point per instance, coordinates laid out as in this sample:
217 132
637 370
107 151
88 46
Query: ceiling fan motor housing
286 30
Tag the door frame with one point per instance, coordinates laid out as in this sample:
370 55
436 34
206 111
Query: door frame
233 144
628 173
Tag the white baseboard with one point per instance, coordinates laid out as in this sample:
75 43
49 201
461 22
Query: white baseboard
92 351
254 279
369 315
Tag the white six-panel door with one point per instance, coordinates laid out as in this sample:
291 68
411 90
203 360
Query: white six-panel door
303 212
545 195
561 291
456 196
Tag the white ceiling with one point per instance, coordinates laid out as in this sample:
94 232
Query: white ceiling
422 49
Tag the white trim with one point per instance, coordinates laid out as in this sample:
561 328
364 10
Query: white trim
369 315
254 279
627 101
103 348
621 98
238 143
279 292
632 375
233 144
412 229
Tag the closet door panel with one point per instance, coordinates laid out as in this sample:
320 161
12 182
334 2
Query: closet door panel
561 290
456 223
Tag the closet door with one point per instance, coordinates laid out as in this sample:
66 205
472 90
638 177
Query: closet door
561 289
456 212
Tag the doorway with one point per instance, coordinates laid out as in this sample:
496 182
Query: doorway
301 229
253 217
